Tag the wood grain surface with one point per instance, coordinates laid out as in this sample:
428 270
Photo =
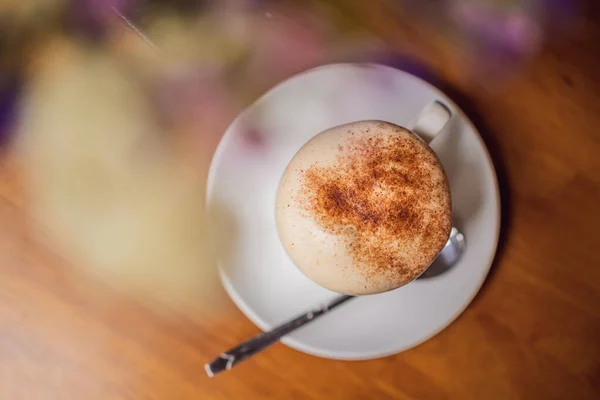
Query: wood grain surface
533 332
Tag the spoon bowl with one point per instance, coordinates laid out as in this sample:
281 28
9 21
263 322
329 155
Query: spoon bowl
448 257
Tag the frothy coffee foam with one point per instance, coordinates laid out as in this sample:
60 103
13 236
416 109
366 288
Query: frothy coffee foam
364 208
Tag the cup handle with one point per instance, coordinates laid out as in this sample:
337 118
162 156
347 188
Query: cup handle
431 121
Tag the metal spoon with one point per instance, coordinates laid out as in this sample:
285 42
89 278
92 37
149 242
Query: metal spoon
448 257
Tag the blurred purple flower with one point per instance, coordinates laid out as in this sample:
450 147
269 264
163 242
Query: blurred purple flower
9 92
499 35
514 28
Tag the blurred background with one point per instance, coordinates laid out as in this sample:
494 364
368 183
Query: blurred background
110 111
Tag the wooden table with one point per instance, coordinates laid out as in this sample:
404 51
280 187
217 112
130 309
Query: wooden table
533 332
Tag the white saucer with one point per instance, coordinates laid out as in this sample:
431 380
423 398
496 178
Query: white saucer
257 273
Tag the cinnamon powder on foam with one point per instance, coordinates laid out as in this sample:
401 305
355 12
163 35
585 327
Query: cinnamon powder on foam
385 198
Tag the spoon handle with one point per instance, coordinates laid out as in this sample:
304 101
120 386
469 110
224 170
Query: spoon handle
263 340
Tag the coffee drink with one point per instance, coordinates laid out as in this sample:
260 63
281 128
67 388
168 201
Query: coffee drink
364 208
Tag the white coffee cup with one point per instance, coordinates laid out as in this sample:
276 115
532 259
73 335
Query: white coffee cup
334 254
